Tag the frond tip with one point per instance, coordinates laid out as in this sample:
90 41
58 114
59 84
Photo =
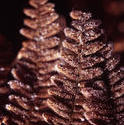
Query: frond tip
83 92
34 65
64 75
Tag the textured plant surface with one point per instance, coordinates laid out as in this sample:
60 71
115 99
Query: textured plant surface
33 66
93 73
69 78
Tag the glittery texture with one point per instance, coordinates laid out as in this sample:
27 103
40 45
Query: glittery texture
84 92
64 76
34 66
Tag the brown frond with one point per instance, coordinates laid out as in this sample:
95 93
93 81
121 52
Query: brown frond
88 86
70 78
34 64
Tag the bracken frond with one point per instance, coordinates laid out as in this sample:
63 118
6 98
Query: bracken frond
88 86
64 80
34 63
6 58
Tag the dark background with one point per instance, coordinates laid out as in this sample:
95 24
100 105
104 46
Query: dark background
11 17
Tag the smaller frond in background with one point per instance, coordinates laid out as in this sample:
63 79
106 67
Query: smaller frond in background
6 59
114 22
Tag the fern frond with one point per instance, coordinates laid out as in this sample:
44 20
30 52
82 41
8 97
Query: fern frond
34 64
83 92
